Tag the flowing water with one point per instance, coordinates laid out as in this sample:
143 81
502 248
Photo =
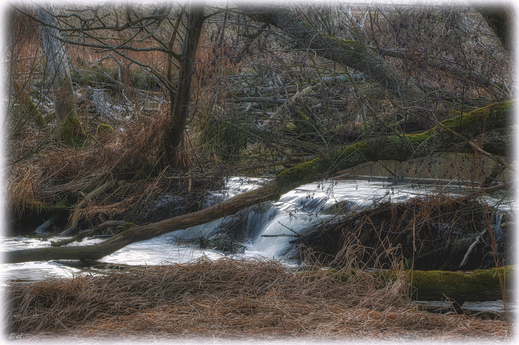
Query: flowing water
269 227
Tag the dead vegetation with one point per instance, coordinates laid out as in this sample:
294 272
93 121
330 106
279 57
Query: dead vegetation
245 114
423 233
129 160
232 298
229 298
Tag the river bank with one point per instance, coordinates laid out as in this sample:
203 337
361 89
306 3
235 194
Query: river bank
230 299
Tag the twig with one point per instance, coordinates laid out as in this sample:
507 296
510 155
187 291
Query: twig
88 232
467 255
297 234
289 102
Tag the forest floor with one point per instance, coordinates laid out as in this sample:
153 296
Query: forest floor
231 299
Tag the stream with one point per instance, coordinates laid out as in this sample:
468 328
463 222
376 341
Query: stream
297 212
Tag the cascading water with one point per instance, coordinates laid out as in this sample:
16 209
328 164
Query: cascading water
268 227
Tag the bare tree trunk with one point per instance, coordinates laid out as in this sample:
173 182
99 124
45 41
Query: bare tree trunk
499 19
71 131
180 108
399 148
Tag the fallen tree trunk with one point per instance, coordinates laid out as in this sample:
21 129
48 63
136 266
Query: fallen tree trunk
354 54
477 285
399 148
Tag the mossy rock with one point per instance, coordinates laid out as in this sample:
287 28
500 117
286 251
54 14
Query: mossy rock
72 132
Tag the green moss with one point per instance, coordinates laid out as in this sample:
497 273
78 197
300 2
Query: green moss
349 45
72 132
306 172
479 120
463 285
104 128
127 226
434 285
418 138
398 148
299 115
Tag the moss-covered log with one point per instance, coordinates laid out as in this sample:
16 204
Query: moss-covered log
477 285
398 148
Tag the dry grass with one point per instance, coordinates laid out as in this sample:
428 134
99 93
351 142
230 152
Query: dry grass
387 233
58 170
229 298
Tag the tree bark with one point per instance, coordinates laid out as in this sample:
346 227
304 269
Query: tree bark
71 130
350 53
399 148
499 19
180 108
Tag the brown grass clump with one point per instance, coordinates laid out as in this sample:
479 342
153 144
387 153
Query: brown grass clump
130 154
228 298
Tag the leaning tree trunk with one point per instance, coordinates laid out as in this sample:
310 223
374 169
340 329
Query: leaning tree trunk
71 131
399 148
349 53
500 19
180 108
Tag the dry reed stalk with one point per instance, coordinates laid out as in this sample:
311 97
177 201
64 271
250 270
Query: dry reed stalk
383 235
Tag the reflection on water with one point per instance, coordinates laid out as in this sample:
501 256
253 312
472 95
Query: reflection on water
35 271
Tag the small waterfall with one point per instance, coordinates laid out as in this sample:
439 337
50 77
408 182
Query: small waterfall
270 227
